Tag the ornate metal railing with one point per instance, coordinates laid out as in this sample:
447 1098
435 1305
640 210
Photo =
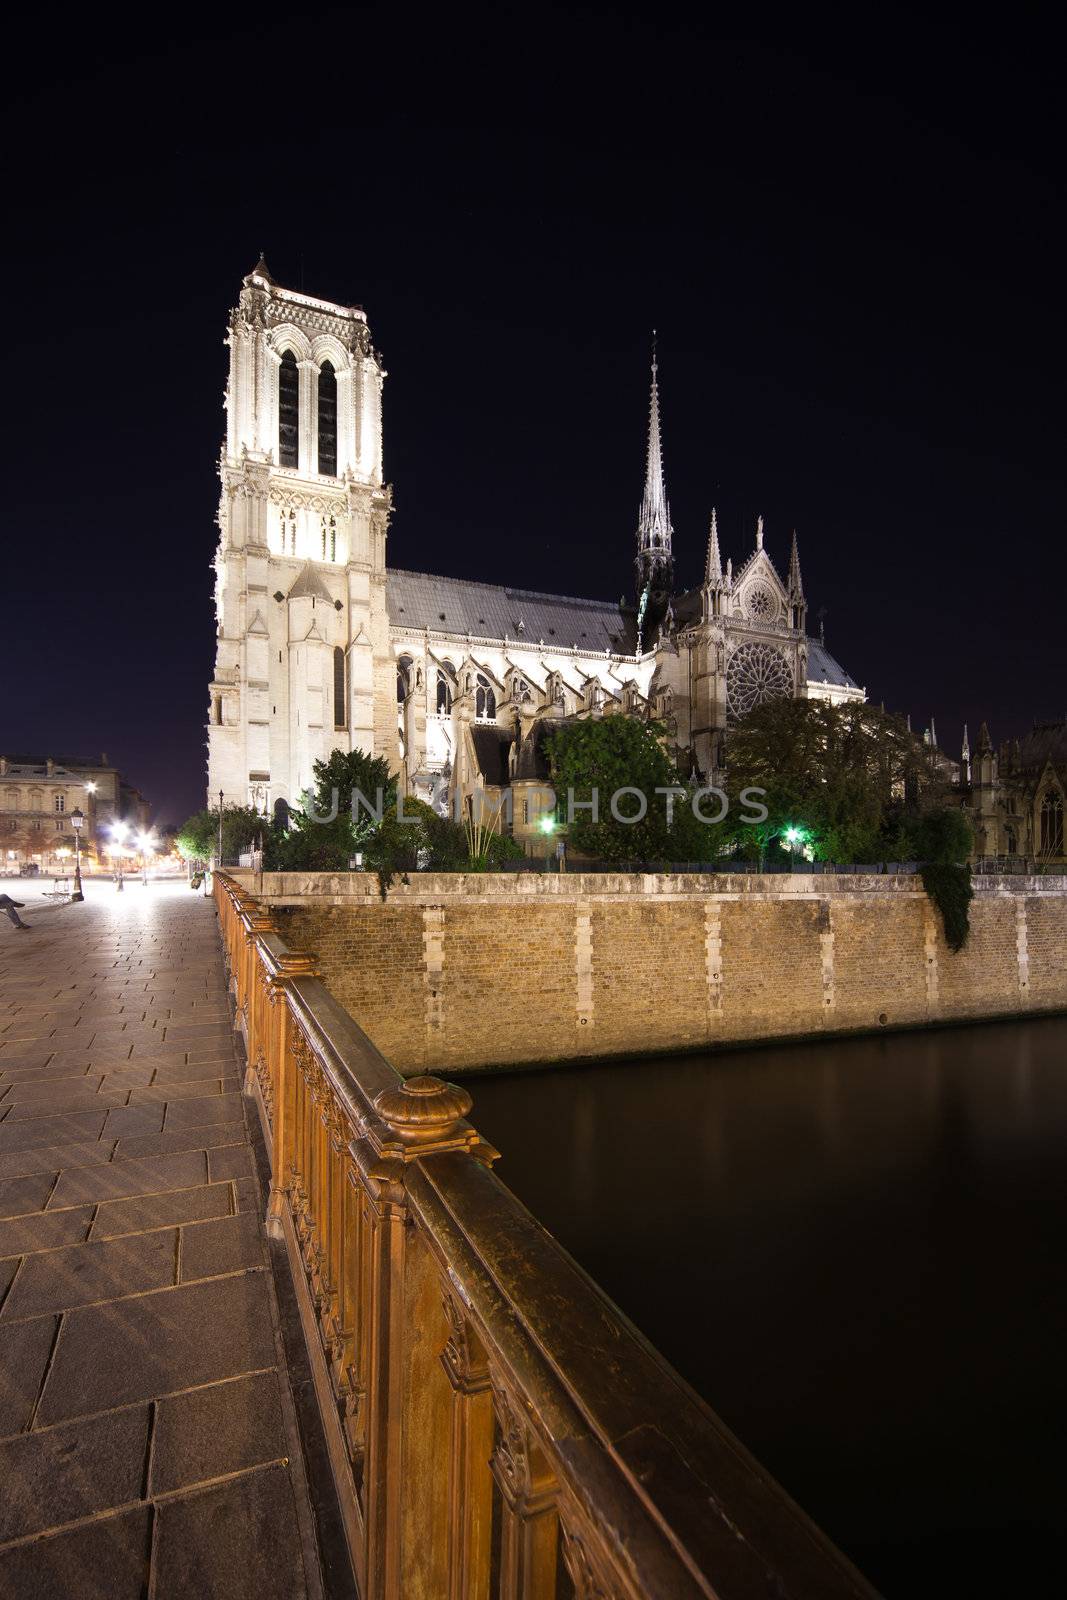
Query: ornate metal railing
498 1430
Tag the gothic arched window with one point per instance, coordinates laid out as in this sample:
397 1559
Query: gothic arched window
1052 824
484 699
340 718
403 680
327 420
444 693
288 411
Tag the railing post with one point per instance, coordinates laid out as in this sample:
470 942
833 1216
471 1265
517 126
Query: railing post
284 1034
529 1535
470 1483
409 1403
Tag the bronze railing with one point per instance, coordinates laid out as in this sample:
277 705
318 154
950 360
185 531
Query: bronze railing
498 1430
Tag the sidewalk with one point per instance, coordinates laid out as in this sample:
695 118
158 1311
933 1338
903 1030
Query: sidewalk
148 1442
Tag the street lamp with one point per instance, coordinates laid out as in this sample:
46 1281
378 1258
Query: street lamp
119 830
77 822
146 845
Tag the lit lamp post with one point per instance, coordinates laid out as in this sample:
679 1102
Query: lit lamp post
147 847
119 831
77 822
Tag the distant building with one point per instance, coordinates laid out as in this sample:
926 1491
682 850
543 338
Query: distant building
1016 796
321 646
37 796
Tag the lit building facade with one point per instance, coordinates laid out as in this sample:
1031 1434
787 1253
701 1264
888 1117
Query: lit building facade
322 646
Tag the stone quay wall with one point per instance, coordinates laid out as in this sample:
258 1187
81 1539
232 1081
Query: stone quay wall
468 972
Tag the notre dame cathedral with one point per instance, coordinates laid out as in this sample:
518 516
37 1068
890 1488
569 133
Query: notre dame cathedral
322 645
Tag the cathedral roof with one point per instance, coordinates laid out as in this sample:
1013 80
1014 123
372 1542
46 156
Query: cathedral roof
492 746
822 668
490 611
1047 741
309 583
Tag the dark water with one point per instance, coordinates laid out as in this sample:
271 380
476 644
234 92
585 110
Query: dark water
855 1252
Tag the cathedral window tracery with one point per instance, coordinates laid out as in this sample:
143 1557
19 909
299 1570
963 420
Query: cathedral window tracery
484 700
327 420
756 673
288 411
444 693
1052 824
340 701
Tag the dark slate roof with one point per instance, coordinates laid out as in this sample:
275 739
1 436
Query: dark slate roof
490 611
1047 741
533 758
492 746
821 665
309 583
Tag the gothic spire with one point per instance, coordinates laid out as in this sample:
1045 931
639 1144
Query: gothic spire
713 565
985 744
796 583
654 529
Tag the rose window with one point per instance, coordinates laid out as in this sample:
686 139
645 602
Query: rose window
759 603
756 673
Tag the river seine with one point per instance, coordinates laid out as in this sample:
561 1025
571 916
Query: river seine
854 1250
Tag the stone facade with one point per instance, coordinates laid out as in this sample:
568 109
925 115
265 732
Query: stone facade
321 647
1016 797
587 958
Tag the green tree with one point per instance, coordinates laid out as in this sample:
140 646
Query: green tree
321 836
609 754
346 771
198 836
845 776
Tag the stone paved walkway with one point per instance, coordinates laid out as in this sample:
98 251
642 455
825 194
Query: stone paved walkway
147 1433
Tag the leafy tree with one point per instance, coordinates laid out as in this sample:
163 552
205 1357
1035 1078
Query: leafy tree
612 753
847 776
198 836
347 771
941 834
318 840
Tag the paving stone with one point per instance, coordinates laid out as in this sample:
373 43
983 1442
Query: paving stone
84 1273
162 1210
232 1161
50 1130
21 1195
75 1470
134 1120
216 1134
51 1158
192 1071
249 1195
232 1244
39 1086
24 1351
104 1560
122 1179
200 1111
8 1270
59 1104
156 1344
48 1230
208 1433
197 1088
238 1541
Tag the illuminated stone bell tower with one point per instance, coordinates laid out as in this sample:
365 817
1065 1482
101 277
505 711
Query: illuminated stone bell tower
303 657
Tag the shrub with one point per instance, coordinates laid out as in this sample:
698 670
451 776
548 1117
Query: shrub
948 883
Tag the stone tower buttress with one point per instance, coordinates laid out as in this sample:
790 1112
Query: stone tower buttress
300 569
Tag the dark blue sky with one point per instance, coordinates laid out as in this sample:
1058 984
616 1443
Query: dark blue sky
852 248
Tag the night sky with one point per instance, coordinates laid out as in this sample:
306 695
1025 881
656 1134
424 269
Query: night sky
851 248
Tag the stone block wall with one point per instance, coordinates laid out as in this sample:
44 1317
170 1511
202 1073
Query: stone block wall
455 972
